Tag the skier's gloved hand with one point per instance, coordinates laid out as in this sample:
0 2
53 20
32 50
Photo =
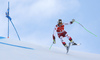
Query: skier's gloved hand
73 20
54 42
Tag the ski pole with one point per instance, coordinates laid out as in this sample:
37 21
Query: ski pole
86 29
15 30
50 46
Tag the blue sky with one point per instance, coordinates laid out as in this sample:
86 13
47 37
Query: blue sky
36 19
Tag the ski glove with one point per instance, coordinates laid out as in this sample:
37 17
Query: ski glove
54 42
73 20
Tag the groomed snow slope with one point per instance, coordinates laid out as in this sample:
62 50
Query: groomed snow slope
19 50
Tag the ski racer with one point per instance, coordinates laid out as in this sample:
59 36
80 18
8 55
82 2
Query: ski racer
59 28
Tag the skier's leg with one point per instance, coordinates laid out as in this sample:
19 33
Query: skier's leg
67 47
64 43
70 39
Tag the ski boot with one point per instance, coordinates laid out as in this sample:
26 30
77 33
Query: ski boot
67 47
72 42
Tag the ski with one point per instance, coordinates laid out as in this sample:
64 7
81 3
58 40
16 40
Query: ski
76 45
67 48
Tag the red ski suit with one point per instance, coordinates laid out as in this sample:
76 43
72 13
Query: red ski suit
61 32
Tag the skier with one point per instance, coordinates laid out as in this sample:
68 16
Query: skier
62 33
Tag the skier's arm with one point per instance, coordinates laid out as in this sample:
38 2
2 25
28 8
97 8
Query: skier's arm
71 22
54 32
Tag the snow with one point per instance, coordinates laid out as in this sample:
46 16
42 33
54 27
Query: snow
11 50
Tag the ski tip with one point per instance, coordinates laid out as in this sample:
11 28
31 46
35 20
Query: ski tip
79 44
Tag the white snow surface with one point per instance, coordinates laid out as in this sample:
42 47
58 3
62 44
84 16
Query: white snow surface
9 51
